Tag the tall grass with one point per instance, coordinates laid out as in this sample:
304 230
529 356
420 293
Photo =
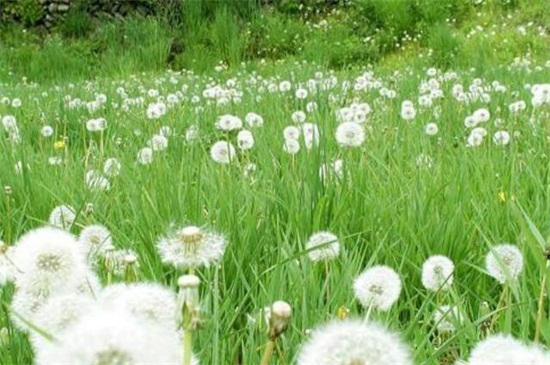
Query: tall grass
386 211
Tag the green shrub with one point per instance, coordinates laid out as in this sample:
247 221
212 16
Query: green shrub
27 12
275 36
444 44
77 22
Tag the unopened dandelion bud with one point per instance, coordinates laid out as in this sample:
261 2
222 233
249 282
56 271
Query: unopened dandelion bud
89 209
279 318
130 267
485 316
7 190
110 260
188 300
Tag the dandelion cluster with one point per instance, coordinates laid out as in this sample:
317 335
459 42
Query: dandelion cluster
338 191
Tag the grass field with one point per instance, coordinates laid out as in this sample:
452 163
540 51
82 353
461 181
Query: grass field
400 161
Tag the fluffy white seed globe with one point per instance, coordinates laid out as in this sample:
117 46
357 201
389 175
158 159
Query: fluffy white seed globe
378 286
354 342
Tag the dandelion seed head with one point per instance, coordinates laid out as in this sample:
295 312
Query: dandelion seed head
191 247
222 152
504 262
62 216
353 342
501 349
112 338
437 273
378 286
350 134
448 318
149 302
323 246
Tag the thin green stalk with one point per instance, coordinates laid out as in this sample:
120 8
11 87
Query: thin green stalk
8 214
327 283
501 304
187 341
268 353
216 337
540 310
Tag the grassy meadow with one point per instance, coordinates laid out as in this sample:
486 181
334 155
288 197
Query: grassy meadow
454 161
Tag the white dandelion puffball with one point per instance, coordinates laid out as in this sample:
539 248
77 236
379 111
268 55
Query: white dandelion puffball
30 296
254 120
470 122
96 125
378 286
437 273
323 246
191 247
481 115
291 146
291 132
58 314
62 216
47 256
431 129
301 93
158 142
222 152
228 123
47 131
505 350
474 139
504 263
245 140
10 124
145 156
501 138
448 318
310 132
112 338
350 134
299 116
112 167
151 303
353 342
408 112
192 133
95 239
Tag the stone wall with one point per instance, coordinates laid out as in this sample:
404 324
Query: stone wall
50 12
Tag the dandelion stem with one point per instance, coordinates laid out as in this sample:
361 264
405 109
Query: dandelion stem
541 302
369 311
268 352
216 339
8 219
501 303
327 282
187 346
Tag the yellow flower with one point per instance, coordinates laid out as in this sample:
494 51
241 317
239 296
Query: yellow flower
502 196
343 312
59 145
